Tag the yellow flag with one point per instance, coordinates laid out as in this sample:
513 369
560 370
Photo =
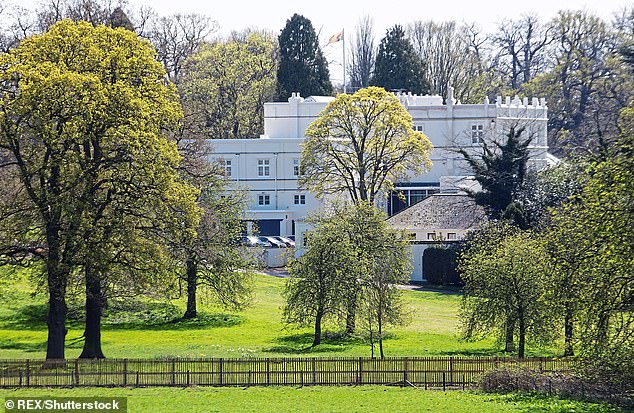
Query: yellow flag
336 37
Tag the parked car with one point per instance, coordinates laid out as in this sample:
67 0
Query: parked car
257 241
289 242
274 242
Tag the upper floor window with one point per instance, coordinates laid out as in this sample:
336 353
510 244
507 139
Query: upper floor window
226 165
477 133
452 236
296 170
300 200
264 167
419 128
264 200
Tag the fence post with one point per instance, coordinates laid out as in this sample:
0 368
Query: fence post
188 380
425 379
220 371
76 372
268 371
443 381
125 372
28 372
314 372
360 370
405 371
451 371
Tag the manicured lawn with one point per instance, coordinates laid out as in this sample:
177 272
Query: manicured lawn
153 329
320 399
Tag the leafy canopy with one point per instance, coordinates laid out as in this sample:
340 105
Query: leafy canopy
361 144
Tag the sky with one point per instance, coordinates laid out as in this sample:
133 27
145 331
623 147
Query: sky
331 16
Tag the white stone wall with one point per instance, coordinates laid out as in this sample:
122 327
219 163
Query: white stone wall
446 125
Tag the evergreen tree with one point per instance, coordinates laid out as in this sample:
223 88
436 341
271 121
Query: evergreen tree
397 65
303 67
118 18
500 170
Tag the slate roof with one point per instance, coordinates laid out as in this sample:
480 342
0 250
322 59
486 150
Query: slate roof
440 211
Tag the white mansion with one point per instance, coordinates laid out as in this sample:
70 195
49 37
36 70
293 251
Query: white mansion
268 167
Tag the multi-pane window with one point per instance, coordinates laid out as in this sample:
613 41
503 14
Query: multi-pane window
264 167
431 236
296 169
452 236
300 200
226 164
477 133
264 200
419 128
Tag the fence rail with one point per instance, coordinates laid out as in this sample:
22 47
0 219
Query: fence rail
420 371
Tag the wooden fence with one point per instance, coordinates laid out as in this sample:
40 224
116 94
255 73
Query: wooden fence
437 372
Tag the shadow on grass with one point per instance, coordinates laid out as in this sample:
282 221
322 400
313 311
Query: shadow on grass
32 317
178 323
132 316
331 342
28 347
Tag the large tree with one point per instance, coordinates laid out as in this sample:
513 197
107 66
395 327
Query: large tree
225 85
506 290
362 54
397 66
587 86
353 261
361 144
82 122
316 288
302 66
522 49
449 58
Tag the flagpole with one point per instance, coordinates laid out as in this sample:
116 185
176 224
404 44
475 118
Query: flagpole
343 36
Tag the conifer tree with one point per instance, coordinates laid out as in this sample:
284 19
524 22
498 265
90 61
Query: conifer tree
303 67
397 65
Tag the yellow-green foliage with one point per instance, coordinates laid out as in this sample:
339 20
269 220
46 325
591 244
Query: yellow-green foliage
361 144
226 84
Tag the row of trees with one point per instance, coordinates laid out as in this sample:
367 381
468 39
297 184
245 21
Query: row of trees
357 148
577 61
566 271
99 187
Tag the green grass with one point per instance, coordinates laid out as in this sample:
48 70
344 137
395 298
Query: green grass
320 399
142 329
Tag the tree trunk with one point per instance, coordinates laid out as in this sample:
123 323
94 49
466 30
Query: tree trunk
522 338
510 329
56 318
57 278
317 339
568 334
192 284
350 319
94 309
380 325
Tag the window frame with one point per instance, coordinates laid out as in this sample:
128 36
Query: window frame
264 168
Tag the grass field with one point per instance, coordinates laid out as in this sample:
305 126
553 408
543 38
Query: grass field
145 329
321 399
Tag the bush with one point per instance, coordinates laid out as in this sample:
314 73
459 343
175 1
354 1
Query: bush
566 385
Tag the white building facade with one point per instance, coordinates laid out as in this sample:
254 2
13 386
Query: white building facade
268 168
